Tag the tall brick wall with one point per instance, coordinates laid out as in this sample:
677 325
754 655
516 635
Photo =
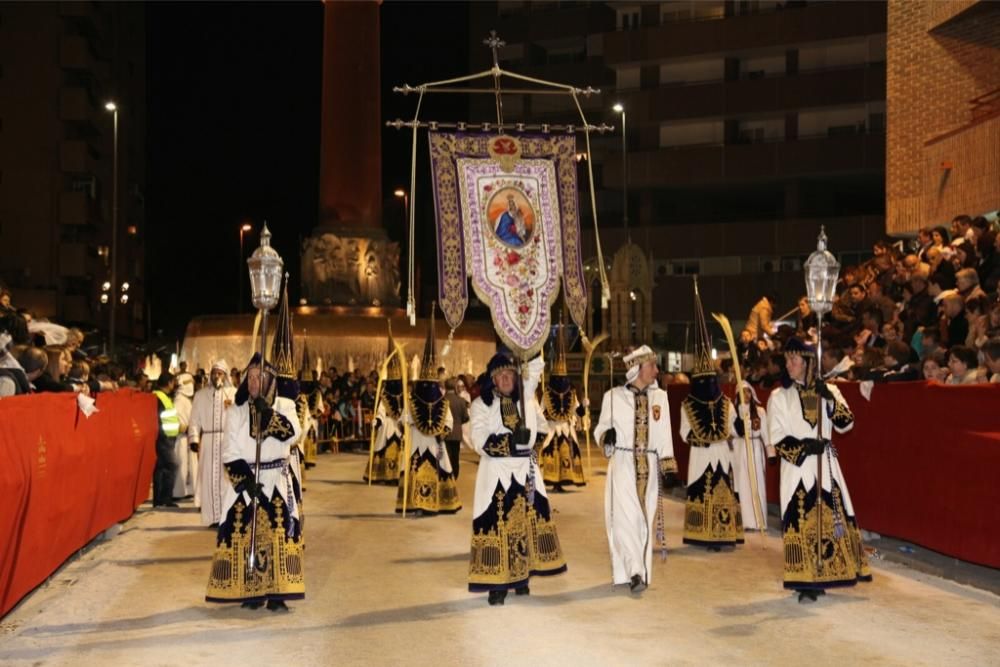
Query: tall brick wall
940 56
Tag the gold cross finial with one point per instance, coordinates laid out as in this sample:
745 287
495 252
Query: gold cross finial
494 43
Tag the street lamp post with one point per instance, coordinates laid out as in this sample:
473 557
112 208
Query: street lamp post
402 194
410 307
113 108
620 108
245 227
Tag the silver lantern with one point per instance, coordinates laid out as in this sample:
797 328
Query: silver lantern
265 273
822 273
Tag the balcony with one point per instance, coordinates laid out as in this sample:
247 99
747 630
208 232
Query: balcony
75 209
74 104
75 157
864 83
700 165
821 21
74 52
72 260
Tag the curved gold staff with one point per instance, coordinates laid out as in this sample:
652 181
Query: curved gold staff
406 427
378 397
752 466
590 347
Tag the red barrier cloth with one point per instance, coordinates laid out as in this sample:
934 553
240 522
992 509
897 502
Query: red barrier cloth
66 478
921 463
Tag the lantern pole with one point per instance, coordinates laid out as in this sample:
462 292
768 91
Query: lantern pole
265 267
821 278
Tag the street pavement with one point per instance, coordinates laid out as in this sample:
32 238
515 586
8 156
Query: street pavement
384 590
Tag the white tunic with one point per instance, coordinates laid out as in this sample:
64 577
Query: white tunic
390 426
207 426
238 444
784 411
759 440
186 480
629 523
486 420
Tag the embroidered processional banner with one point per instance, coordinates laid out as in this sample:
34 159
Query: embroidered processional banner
507 217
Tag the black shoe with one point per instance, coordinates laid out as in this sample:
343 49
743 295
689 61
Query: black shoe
252 605
637 585
715 549
806 597
276 605
310 466
497 598
170 504
558 488
522 590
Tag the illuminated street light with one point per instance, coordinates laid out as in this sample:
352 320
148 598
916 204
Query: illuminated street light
113 108
244 228
620 108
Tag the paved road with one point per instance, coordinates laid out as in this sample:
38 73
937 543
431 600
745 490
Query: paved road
387 591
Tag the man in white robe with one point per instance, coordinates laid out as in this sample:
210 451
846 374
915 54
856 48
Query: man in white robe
752 412
205 436
186 481
513 535
278 574
822 540
635 429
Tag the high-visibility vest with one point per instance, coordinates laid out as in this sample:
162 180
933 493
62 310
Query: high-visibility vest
168 417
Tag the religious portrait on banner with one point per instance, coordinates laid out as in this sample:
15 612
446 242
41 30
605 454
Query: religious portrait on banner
513 217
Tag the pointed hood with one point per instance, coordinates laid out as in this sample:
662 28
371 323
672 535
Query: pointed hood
703 365
429 362
559 363
282 351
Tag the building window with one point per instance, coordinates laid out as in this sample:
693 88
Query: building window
628 19
628 78
691 133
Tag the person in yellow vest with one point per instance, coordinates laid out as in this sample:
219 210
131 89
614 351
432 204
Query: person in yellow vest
170 425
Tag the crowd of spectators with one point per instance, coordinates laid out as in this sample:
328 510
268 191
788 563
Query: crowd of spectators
348 405
928 314
41 356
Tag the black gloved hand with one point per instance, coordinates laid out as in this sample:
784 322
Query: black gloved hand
610 438
249 485
263 409
814 446
823 389
378 423
521 436
194 447
669 480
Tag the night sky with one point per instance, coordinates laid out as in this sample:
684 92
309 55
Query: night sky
234 112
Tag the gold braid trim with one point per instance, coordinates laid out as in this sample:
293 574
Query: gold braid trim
393 403
842 415
279 427
702 434
791 450
668 465
563 408
499 446
508 412
438 417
